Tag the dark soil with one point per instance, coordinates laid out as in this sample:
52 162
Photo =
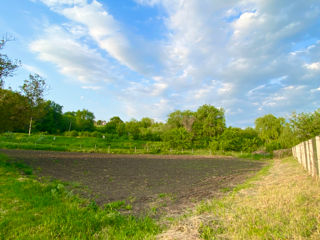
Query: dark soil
150 183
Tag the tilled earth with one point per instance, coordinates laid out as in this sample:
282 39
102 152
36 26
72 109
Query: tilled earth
150 183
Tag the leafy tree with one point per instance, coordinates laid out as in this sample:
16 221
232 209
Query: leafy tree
33 88
306 125
269 127
115 126
52 121
133 129
69 119
13 111
146 122
179 119
209 123
7 66
178 138
237 139
84 120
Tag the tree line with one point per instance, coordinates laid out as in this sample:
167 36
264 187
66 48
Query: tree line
27 111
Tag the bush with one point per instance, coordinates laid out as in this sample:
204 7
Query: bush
96 134
72 133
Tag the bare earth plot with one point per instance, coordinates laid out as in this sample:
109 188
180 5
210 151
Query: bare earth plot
166 183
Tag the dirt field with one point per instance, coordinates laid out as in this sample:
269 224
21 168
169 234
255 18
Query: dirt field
150 183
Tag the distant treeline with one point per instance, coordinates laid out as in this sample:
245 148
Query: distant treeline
203 128
27 111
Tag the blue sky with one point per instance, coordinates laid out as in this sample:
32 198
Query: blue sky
147 58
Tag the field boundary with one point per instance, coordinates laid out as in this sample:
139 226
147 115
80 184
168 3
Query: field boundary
308 155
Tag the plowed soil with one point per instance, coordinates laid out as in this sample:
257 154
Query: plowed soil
150 183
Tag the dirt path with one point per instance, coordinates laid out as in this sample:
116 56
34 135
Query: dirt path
149 182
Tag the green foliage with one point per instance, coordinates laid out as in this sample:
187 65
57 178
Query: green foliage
84 120
236 139
13 111
269 127
7 66
52 121
209 123
133 129
306 125
34 210
178 138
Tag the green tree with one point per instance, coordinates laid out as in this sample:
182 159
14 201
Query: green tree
179 119
306 125
269 127
146 122
52 121
33 89
237 139
209 123
115 126
178 138
133 129
69 119
13 111
7 66
84 120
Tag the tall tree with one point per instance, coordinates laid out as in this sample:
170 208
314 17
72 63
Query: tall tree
209 123
7 66
84 120
33 88
52 120
269 127
306 125
13 111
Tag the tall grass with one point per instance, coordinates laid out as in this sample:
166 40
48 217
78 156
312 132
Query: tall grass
33 210
285 204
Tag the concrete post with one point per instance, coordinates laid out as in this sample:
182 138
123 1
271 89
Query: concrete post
315 157
298 153
303 155
311 157
317 143
308 157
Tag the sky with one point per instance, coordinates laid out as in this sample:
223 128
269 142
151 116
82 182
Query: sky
148 58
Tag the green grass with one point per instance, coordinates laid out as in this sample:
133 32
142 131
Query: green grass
281 202
30 209
95 144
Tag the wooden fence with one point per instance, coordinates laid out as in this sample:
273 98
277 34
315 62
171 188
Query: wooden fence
308 155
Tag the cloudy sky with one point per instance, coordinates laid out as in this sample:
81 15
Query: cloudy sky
137 58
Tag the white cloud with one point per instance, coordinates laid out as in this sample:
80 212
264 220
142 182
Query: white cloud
95 88
33 69
313 66
258 52
73 59
131 51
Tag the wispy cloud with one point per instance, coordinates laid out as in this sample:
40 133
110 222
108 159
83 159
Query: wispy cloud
72 58
251 53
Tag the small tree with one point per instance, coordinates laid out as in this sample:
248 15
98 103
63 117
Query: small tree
33 88
7 66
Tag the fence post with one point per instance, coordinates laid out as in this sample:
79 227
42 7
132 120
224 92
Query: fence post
303 156
308 156
311 156
315 157
317 145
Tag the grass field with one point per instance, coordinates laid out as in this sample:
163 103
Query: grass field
30 209
95 144
280 202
